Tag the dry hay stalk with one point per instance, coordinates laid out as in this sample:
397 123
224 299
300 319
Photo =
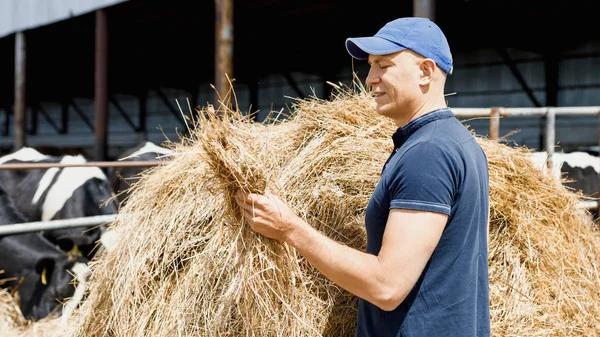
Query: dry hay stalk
10 315
186 265
13 324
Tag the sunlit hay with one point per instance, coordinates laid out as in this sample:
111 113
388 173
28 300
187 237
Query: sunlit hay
10 315
203 266
544 252
186 265
13 324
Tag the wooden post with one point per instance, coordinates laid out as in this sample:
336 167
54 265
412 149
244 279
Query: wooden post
20 104
101 87
424 9
223 50
495 124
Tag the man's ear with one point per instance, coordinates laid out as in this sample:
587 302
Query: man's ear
427 71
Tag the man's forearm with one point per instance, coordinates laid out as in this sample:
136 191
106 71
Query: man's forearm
357 272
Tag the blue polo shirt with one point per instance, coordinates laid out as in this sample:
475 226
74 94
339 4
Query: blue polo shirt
437 166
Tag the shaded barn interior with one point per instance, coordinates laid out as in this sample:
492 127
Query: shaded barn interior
166 50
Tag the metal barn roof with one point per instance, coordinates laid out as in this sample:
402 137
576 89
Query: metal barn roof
19 15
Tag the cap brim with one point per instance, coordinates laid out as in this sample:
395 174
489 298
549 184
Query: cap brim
361 47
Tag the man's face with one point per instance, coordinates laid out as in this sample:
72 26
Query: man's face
394 82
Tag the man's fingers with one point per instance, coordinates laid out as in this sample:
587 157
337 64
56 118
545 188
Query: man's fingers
248 216
247 197
242 204
250 213
250 207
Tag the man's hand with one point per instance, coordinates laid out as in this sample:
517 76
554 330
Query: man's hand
268 215
409 240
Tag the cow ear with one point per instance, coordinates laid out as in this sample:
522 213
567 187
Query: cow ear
44 267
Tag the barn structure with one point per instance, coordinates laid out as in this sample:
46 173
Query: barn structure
101 75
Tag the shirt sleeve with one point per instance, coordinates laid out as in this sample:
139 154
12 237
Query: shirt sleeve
424 179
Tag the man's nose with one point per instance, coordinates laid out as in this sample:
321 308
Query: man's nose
372 78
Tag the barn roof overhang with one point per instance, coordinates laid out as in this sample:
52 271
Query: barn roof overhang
154 44
19 15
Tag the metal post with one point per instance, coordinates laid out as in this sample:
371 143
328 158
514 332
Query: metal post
550 123
36 226
223 48
20 105
424 9
101 87
495 124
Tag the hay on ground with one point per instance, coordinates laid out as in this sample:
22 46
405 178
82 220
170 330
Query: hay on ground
186 265
13 324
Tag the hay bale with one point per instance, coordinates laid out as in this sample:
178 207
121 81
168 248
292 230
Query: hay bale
543 254
187 265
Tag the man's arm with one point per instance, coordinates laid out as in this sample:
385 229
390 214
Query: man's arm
383 280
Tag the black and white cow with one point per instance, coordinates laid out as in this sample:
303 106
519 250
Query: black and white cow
579 170
123 177
33 267
59 193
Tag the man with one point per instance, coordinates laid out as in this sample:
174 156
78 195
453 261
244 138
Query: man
425 269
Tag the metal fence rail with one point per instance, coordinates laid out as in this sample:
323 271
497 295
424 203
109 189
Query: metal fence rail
494 113
36 226
33 166
549 112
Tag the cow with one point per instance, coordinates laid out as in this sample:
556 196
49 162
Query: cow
35 269
577 170
123 178
59 193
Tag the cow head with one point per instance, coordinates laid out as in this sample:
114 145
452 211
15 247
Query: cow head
44 278
77 192
38 271
34 267
60 285
92 197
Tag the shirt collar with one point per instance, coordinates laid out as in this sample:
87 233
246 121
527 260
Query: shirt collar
403 132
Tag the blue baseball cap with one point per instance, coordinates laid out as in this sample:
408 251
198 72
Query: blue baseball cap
420 35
